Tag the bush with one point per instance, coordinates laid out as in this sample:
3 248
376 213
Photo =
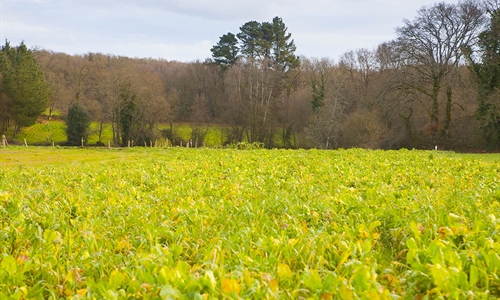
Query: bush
78 124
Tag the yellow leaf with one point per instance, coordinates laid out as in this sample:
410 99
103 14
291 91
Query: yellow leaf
81 292
68 292
123 244
273 285
284 271
231 286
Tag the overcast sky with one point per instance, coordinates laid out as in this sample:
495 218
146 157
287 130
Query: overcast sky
185 30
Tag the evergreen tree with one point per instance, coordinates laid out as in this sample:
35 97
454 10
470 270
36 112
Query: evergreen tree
267 44
283 47
249 36
24 84
225 53
78 124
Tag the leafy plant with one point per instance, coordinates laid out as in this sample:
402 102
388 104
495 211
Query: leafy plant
204 223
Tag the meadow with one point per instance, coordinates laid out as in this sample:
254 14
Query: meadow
46 132
178 223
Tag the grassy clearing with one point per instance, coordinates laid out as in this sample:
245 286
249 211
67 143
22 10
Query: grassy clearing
203 223
44 132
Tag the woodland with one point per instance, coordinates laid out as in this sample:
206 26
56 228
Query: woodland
435 84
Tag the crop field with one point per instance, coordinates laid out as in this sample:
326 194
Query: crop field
184 223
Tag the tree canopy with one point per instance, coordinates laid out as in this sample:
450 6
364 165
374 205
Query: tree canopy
486 73
225 53
25 92
78 124
268 44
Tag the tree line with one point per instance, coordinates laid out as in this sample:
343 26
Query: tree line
435 84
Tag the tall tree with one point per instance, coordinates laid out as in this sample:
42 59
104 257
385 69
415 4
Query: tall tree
327 103
487 76
24 84
429 51
225 53
250 36
127 114
283 47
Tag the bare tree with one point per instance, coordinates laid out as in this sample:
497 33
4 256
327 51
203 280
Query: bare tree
429 50
328 103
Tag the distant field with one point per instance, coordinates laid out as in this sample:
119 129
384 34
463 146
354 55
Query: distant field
44 132
178 223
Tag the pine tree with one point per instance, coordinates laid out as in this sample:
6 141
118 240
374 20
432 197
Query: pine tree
283 47
249 36
225 53
24 84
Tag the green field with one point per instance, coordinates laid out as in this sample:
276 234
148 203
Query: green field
45 132
177 223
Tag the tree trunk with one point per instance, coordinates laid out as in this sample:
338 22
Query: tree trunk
447 121
435 103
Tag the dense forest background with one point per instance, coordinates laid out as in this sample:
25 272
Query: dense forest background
436 84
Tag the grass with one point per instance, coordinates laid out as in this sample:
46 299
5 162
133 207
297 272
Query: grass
45 131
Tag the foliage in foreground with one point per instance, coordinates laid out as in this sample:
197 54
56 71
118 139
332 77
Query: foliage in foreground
226 223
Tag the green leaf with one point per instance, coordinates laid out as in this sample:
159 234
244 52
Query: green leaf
116 279
473 276
441 276
9 264
412 245
168 292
